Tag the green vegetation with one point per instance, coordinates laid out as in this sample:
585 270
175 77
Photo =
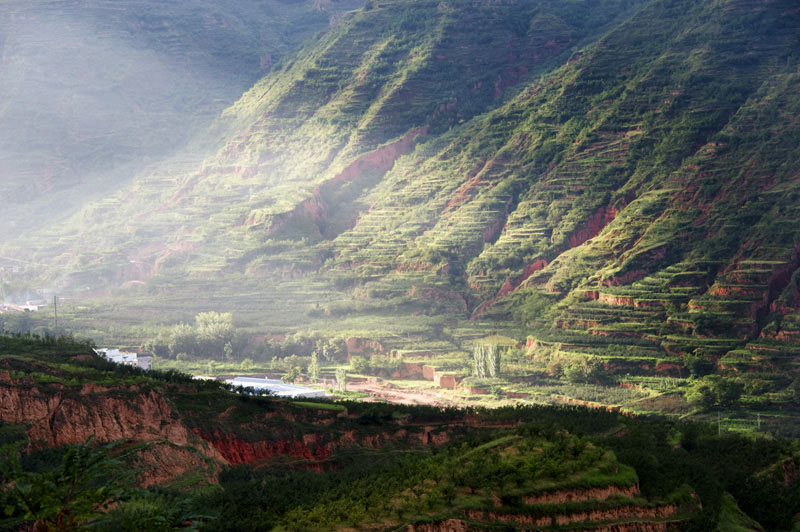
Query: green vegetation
211 337
510 465
93 489
486 361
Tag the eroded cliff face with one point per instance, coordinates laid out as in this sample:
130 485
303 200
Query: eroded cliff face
57 415
598 494
180 441
451 525
60 417
578 522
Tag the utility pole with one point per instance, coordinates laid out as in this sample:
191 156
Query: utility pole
719 425
55 315
758 416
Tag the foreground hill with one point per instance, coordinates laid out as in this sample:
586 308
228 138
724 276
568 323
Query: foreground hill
344 465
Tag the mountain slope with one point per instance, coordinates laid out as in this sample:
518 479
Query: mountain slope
626 201
617 177
318 125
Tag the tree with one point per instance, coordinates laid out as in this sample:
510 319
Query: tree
486 361
586 369
228 350
715 391
341 380
182 339
214 330
493 361
479 361
90 480
313 368
293 374
360 365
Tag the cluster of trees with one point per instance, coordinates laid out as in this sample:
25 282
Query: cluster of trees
375 365
486 361
34 343
574 368
715 391
303 344
213 335
18 322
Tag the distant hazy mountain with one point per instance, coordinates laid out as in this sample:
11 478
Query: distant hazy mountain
92 91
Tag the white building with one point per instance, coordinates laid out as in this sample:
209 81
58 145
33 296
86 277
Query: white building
276 387
125 357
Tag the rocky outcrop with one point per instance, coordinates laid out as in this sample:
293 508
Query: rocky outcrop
577 495
381 159
238 451
592 227
65 417
59 416
362 346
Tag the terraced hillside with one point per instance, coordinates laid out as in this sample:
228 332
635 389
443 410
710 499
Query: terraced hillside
644 210
617 180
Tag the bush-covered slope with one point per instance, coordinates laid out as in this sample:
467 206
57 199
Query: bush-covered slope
227 461
646 191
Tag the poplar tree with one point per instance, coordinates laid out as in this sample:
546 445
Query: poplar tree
493 361
486 361
479 361
341 380
313 368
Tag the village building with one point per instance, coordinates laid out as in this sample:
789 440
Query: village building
128 358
